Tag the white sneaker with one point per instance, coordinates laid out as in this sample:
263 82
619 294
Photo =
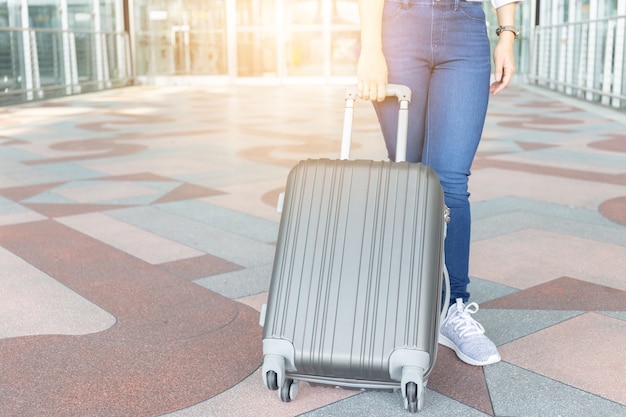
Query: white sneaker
460 332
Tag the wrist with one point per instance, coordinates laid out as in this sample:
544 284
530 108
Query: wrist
507 30
371 52
506 37
371 42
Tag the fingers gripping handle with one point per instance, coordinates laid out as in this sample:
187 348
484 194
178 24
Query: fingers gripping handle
403 93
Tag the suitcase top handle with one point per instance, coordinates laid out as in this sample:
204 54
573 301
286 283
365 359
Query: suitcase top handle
403 93
398 90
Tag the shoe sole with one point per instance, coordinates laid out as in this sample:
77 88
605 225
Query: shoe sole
448 343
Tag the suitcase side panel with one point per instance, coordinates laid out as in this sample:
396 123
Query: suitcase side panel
357 266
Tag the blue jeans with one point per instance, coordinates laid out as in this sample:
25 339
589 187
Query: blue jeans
440 49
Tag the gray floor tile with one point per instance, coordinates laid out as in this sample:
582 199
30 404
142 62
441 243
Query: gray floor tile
496 206
516 392
504 326
482 290
236 222
390 404
240 283
616 314
508 214
71 171
250 173
218 242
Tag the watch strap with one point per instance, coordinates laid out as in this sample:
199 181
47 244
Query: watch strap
513 29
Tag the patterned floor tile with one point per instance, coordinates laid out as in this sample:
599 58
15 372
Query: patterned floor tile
7 182
238 284
592 162
460 381
198 267
24 192
174 344
169 166
53 210
564 294
226 219
130 239
519 392
506 325
33 303
615 144
255 301
532 257
105 192
581 352
491 183
488 209
205 238
258 199
508 215
70 172
251 398
187 192
15 213
615 210
372 403
618 178
616 314
482 291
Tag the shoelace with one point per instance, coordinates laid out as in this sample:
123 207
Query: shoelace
463 322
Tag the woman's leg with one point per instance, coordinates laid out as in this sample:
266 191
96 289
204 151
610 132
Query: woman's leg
457 105
440 49
442 52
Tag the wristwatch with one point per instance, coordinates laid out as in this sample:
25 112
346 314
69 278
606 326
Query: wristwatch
513 29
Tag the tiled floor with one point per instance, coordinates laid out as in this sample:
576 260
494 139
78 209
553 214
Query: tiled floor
137 234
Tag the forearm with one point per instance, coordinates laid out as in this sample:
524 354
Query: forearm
506 17
371 13
499 3
372 67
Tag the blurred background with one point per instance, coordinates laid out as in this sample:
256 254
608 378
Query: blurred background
52 48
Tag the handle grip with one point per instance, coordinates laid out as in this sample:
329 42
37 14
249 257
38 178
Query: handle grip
403 93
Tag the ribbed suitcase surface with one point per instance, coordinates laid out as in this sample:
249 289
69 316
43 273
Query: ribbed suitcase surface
358 266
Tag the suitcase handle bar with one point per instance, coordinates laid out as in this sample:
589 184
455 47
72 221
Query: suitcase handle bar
403 93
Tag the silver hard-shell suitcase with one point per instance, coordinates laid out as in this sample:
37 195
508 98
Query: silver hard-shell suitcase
355 293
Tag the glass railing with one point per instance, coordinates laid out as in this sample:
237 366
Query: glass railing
583 59
44 63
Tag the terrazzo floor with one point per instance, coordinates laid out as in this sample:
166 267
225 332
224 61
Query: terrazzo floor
138 229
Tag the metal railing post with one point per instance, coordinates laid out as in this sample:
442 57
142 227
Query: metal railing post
584 59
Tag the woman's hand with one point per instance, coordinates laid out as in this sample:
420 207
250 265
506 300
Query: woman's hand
504 62
372 76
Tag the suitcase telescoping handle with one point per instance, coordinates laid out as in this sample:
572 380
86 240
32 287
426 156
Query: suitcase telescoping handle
403 93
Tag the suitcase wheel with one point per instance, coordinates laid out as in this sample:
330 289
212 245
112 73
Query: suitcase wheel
289 390
413 386
414 400
411 397
273 373
271 380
